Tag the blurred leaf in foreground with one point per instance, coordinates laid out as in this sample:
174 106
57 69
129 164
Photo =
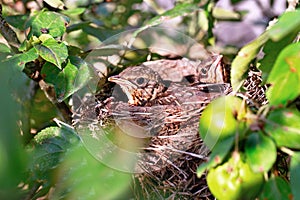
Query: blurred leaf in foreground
276 188
12 158
81 176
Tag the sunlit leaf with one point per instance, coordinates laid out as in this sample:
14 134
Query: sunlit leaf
285 76
47 152
242 61
21 59
295 175
261 152
50 141
276 188
281 35
271 51
52 51
287 23
284 127
47 149
47 22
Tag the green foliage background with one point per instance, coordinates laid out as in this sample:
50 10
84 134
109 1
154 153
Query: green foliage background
42 157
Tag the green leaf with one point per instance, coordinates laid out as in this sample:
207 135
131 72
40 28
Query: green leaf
284 127
287 23
4 52
271 51
47 149
178 10
81 175
52 51
276 188
21 59
73 77
4 48
12 155
295 175
219 152
45 21
280 31
74 11
261 152
285 76
242 61
17 21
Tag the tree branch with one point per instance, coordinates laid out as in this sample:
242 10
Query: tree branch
9 35
66 114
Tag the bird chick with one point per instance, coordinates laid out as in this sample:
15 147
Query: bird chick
140 84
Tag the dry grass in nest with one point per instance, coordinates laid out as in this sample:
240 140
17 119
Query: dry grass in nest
170 160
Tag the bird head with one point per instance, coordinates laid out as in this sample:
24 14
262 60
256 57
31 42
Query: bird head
213 71
140 84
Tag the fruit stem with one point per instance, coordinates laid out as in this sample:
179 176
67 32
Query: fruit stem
236 145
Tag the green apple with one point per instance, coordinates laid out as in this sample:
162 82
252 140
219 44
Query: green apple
234 180
222 118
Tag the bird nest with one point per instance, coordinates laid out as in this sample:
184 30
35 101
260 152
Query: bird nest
168 117
171 149
167 162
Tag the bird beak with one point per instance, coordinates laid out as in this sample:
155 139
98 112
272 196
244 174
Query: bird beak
121 81
114 79
126 86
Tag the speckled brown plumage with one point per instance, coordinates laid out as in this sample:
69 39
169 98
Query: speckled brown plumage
170 111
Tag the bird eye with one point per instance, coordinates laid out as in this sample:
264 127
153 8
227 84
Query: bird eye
140 81
203 70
